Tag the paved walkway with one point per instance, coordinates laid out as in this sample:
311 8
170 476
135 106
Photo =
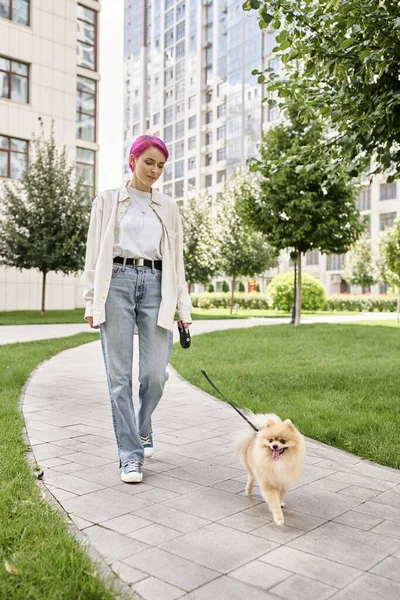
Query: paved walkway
188 531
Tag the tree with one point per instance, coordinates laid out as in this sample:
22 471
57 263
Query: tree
302 206
243 250
342 60
389 250
199 240
359 265
45 216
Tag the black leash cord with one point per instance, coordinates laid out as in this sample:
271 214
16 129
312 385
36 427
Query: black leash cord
226 400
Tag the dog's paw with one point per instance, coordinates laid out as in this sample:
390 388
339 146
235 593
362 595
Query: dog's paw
248 491
282 504
279 521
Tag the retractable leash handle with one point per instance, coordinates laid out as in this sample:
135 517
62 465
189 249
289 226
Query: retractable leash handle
228 401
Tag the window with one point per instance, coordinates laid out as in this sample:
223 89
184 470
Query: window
180 11
180 50
179 149
208 181
169 19
209 96
273 113
192 102
15 10
169 38
169 75
179 189
364 199
209 58
168 4
388 191
386 220
180 70
168 189
180 31
168 133
168 114
192 123
14 80
274 64
179 108
221 133
192 182
209 33
221 154
312 257
179 169
169 96
192 142
192 163
168 172
180 89
13 157
208 138
221 176
179 129
334 262
156 118
221 90
86 109
221 110
85 168
209 159
86 38
209 116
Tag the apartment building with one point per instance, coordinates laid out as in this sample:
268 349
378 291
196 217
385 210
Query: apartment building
49 72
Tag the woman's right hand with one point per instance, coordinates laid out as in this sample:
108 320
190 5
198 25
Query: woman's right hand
90 321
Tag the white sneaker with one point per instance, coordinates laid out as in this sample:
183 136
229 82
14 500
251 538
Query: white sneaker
148 445
132 472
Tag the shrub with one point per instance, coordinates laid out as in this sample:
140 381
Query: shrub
225 286
241 287
223 300
360 302
280 292
210 288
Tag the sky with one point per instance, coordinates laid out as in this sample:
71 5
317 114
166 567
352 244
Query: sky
110 159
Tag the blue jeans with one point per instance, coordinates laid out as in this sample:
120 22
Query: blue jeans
134 299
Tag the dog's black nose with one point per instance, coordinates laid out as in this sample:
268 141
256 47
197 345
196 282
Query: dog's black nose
275 446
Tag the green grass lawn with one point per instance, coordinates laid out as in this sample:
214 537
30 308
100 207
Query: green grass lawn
50 563
338 383
32 317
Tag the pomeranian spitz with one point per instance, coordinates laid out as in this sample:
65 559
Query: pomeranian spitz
274 456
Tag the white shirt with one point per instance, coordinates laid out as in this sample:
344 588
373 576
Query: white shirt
140 229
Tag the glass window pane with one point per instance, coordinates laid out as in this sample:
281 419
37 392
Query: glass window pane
19 145
86 33
85 55
18 165
4 85
86 103
86 85
86 14
3 164
4 64
3 142
20 11
19 68
5 9
85 128
85 172
85 156
19 88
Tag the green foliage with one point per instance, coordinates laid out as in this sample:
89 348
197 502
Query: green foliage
281 292
210 288
389 251
361 302
359 265
342 61
200 249
241 287
252 300
225 286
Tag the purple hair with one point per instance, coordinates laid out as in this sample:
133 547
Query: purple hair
143 142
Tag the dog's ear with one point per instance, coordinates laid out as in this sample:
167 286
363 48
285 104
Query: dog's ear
289 422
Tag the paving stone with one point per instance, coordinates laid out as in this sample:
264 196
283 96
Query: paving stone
302 588
243 521
203 473
379 510
359 520
389 528
128 574
80 523
176 519
61 495
125 523
154 534
155 495
370 587
228 588
389 567
73 484
390 498
361 493
230 485
218 547
88 459
314 567
319 503
171 483
172 569
360 481
103 505
113 545
260 574
155 589
209 503
280 535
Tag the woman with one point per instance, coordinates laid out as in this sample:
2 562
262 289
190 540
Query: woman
134 276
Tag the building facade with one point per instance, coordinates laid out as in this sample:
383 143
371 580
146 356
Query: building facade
49 73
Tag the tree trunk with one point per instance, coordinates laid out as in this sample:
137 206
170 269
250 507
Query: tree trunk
298 293
233 293
42 310
189 287
398 307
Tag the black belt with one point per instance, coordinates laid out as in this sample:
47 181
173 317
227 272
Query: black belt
140 262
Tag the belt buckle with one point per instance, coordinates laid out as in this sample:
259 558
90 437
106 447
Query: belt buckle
139 262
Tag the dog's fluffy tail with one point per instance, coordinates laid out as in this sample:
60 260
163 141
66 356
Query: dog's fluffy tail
246 435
